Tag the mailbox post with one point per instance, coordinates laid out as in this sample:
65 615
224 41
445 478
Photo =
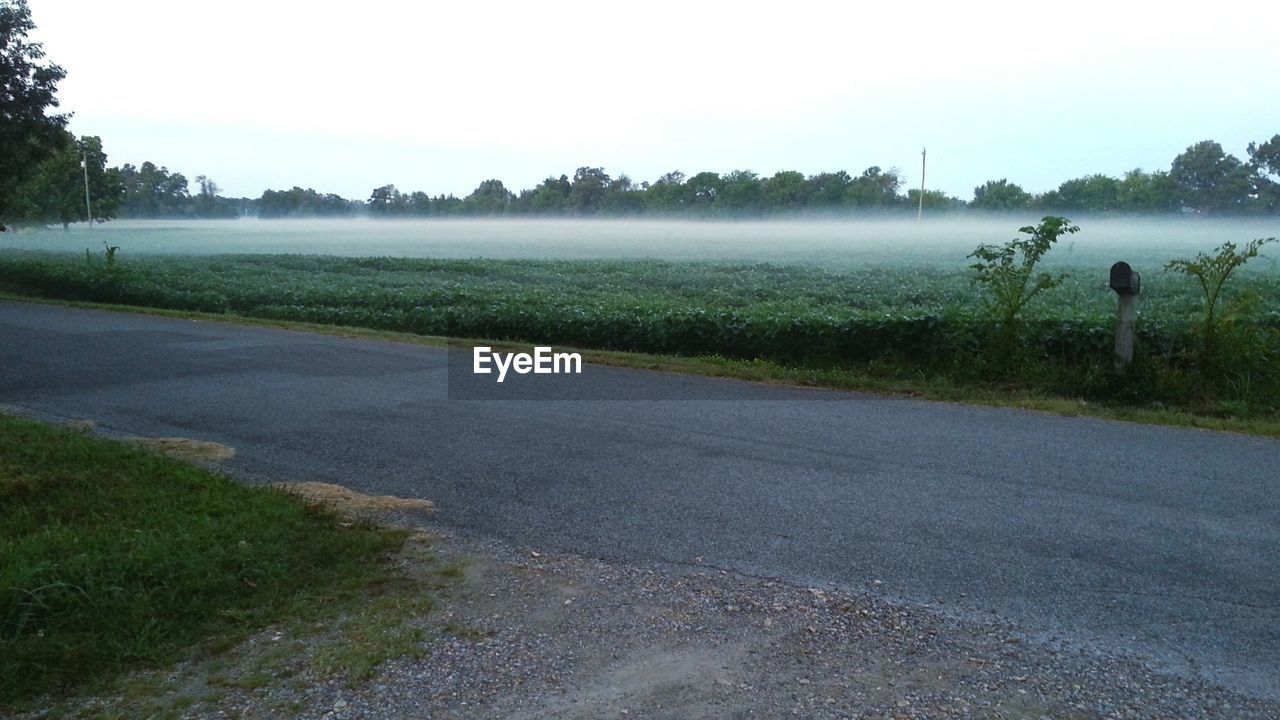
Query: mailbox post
1127 284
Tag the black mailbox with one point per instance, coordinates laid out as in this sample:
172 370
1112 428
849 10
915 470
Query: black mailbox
1125 280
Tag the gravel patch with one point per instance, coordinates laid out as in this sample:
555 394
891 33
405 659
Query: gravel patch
528 634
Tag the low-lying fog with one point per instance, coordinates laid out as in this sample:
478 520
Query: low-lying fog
830 243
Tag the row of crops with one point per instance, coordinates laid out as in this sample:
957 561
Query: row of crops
795 314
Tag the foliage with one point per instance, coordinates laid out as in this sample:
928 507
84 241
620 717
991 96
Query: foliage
1095 193
740 192
1000 195
550 197
111 557
588 191
1204 179
917 320
1148 192
491 198
593 192
874 188
297 202
786 191
28 84
208 203
56 193
155 192
1208 180
1007 272
1212 272
151 191
1264 163
933 200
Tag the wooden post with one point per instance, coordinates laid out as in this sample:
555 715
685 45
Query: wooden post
1128 284
1126 317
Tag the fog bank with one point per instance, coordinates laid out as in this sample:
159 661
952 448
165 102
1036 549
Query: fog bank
865 242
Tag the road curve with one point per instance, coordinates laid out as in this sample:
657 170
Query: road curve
1156 542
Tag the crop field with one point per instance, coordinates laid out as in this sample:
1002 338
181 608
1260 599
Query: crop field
922 310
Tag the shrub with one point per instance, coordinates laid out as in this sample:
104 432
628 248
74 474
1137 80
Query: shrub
1007 272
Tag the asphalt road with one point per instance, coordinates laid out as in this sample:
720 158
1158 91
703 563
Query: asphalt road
1158 542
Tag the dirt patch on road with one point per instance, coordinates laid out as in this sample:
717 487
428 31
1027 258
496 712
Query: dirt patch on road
200 451
349 501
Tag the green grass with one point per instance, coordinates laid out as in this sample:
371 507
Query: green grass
372 634
113 557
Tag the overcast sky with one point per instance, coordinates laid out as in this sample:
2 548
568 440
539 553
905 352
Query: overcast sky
345 96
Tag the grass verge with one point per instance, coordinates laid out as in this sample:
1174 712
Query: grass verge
113 557
859 379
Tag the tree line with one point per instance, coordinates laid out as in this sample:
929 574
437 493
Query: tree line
1204 179
74 181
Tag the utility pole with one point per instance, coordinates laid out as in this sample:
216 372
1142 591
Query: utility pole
920 210
84 163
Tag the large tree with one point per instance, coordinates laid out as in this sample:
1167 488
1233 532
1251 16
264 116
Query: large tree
667 193
874 188
625 197
29 134
1148 192
828 190
933 200
785 191
550 197
1095 193
208 203
56 193
589 191
1000 195
1264 161
1211 181
298 202
741 191
703 190
387 201
151 191
490 198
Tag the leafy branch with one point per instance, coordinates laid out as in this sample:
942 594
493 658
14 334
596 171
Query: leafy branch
1008 271
1212 272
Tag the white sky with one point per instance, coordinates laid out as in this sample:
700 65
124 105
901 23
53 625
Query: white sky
345 96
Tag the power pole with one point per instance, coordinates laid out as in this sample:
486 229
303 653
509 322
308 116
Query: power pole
84 163
920 210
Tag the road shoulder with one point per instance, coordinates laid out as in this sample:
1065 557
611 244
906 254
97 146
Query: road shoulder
527 633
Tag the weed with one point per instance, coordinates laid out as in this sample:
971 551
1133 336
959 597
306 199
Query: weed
1212 273
1008 273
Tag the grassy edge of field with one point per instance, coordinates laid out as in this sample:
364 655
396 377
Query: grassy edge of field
763 371
186 565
